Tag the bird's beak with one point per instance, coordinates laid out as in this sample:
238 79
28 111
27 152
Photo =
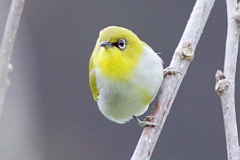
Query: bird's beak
106 44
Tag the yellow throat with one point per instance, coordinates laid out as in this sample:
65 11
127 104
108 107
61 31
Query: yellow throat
113 62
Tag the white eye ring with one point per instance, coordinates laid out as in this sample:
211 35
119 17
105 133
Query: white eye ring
121 44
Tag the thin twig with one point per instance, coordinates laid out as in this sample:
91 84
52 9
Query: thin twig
182 57
7 46
225 83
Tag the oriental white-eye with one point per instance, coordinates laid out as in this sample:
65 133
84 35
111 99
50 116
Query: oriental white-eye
124 74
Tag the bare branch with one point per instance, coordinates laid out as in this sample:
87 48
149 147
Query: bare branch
7 46
182 57
225 83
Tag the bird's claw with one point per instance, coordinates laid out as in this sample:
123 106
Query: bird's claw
146 122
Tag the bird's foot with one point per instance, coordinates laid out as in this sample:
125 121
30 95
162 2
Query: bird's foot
146 122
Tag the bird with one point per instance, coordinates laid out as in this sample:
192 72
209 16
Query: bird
125 74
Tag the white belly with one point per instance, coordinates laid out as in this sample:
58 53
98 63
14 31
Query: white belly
119 102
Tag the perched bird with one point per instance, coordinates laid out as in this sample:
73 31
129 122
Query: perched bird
124 74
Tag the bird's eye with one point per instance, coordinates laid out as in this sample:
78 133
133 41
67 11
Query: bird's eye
121 44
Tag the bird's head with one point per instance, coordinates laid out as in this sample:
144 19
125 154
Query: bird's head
119 51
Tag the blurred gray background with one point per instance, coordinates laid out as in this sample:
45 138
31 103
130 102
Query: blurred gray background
49 112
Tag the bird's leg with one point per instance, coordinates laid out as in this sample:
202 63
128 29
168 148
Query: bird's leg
146 122
170 71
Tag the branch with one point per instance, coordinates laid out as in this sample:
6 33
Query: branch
225 82
182 57
7 46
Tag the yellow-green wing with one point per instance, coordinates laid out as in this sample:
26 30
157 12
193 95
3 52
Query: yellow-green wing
92 77
92 80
